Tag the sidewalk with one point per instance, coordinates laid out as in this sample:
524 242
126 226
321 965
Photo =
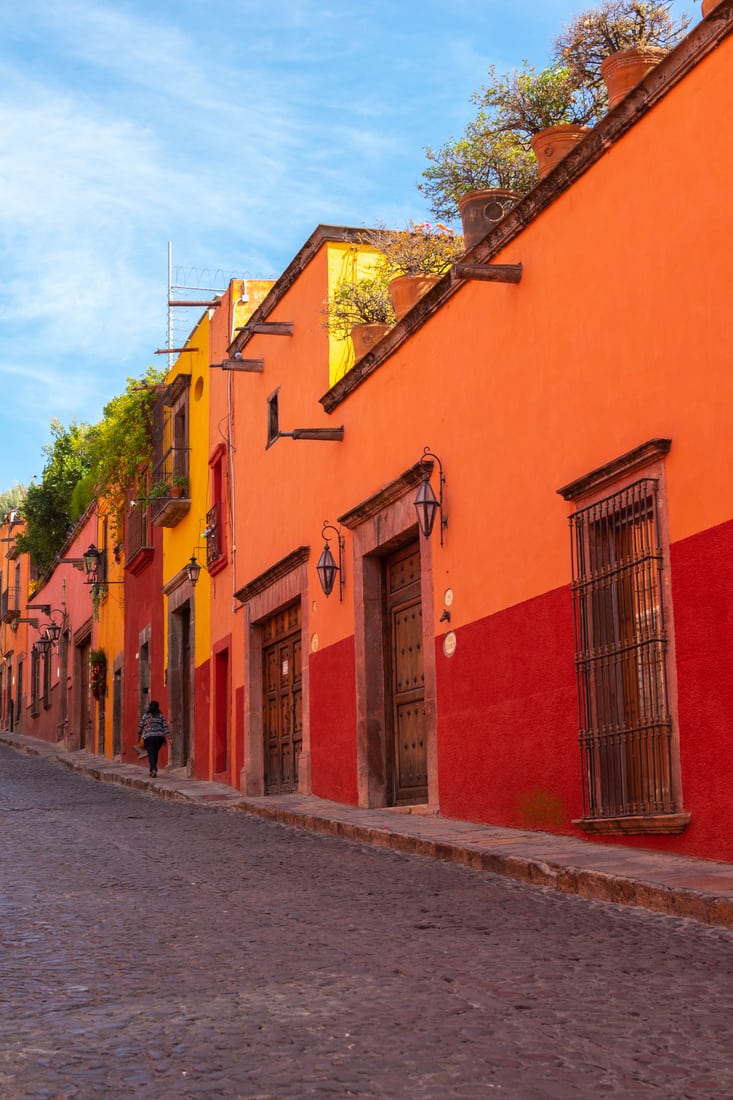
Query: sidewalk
681 886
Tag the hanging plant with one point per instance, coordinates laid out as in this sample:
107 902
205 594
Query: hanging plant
98 673
99 595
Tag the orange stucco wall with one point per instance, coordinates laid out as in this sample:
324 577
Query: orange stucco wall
616 334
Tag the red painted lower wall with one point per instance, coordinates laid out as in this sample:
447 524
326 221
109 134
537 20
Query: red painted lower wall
702 591
507 719
238 734
332 682
201 736
507 707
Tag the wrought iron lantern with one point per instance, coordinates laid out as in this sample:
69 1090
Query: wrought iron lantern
427 505
92 558
193 570
327 567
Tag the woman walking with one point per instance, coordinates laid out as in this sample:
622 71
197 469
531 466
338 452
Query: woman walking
154 731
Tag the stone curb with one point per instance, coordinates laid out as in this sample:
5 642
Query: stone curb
671 900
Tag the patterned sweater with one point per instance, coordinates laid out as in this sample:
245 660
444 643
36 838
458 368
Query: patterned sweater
153 725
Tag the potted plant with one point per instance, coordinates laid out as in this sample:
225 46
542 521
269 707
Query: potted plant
178 485
551 108
413 259
362 309
160 489
616 43
479 177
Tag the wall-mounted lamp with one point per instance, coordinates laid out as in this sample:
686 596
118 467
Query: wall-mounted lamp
427 505
92 559
193 567
327 567
192 570
44 645
95 566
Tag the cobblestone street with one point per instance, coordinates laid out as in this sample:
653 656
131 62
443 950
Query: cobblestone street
164 950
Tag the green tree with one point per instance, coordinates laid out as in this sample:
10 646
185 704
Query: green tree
12 498
48 507
525 101
595 34
495 148
482 158
120 445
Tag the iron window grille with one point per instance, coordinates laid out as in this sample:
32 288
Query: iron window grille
214 548
621 645
10 602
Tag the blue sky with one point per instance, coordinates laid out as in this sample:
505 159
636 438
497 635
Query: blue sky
231 129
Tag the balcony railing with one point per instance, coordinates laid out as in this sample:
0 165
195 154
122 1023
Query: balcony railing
10 603
138 533
169 490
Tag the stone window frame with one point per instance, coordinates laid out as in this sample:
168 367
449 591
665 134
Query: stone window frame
603 483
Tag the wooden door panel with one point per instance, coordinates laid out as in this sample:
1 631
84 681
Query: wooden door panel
411 748
282 677
406 677
407 649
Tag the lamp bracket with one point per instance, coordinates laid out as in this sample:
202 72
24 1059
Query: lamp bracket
78 563
335 434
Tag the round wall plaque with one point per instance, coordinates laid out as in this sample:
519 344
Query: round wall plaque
449 644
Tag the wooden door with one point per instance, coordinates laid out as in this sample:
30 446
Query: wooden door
282 711
84 710
221 712
117 712
405 702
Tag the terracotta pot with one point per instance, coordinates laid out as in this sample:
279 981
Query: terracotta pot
708 5
406 290
364 337
176 491
622 71
554 143
481 210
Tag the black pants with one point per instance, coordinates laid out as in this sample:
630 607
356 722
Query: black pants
153 745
